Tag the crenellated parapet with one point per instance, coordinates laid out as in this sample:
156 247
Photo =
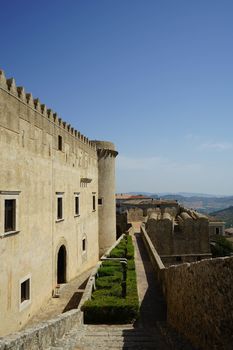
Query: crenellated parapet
9 86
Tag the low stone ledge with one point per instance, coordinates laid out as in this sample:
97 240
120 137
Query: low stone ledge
42 335
154 256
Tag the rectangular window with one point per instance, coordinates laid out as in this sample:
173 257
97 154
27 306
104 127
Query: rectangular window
10 215
76 205
100 201
59 208
59 143
25 290
84 244
93 202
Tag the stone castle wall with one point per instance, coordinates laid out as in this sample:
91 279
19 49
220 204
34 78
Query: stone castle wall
135 214
35 172
200 302
186 233
198 297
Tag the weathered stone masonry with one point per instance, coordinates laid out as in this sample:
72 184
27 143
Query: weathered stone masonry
49 217
199 298
200 302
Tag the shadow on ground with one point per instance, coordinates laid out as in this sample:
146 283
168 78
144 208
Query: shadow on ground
74 301
153 306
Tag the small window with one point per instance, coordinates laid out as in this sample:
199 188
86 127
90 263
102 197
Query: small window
77 205
84 244
59 143
59 208
25 290
93 202
217 231
10 215
100 201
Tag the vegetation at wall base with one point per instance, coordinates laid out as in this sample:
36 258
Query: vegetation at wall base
107 306
221 247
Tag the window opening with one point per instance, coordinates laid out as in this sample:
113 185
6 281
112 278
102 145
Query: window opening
25 290
59 143
84 244
76 205
10 215
59 208
93 202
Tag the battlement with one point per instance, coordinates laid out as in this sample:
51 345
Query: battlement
18 92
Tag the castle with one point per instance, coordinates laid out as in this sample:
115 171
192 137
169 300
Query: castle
57 203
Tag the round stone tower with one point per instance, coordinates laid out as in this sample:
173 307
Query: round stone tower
106 194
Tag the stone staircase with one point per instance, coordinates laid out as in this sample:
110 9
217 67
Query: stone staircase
90 337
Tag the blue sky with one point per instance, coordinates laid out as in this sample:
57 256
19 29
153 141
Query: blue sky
153 76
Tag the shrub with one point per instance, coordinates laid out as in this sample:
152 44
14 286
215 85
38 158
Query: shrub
114 290
130 248
107 281
109 270
112 311
107 304
221 247
118 253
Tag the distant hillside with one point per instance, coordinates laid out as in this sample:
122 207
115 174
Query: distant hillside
225 215
201 202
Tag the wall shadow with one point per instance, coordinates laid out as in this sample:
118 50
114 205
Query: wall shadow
74 301
153 307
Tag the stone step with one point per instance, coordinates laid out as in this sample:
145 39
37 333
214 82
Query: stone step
112 337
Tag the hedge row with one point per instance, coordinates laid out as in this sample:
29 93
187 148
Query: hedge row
107 304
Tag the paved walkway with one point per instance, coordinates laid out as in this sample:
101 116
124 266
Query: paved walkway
70 295
152 305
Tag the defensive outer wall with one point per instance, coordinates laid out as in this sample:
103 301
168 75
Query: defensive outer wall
51 228
199 298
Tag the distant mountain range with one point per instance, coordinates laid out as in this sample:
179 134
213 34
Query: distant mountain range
204 203
183 194
225 215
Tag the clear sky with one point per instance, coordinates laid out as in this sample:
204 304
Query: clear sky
153 76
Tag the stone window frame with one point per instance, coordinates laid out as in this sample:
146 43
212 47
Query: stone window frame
26 303
9 195
59 195
76 195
